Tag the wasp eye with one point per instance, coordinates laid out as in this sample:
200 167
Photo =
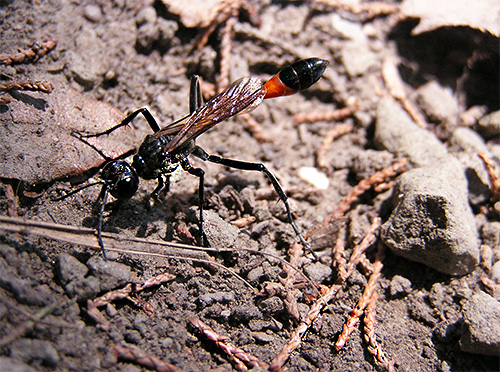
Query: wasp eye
125 187
121 179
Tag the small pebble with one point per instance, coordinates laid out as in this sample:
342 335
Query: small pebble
93 13
481 325
399 285
314 177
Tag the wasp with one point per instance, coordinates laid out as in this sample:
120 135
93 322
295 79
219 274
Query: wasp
169 148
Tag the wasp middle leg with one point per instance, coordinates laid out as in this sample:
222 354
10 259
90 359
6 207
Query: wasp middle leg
257 167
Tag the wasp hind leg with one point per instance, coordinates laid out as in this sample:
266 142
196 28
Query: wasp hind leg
200 173
257 167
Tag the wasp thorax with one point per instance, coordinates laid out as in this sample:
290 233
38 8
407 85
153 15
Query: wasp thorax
149 160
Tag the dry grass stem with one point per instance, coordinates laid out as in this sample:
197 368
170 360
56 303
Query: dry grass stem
33 53
143 359
388 173
493 175
255 128
92 305
238 356
334 133
335 115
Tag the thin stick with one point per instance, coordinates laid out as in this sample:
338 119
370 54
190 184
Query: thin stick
390 172
238 356
332 134
320 303
40 86
492 174
33 53
336 115
143 359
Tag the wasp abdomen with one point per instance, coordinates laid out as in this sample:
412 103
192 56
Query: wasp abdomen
298 76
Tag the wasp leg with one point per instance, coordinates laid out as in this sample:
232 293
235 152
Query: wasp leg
258 167
163 187
103 196
195 98
200 173
144 111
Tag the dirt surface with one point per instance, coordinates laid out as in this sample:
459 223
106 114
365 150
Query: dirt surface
127 55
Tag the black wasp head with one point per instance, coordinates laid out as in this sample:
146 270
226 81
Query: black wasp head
121 179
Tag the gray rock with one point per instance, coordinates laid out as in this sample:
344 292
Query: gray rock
92 12
146 15
69 268
89 60
438 103
467 140
13 365
27 291
432 222
399 286
263 337
246 312
318 271
481 326
254 276
396 132
490 233
219 233
495 272
489 125
29 350
110 274
272 305
465 144
357 57
83 289
220 297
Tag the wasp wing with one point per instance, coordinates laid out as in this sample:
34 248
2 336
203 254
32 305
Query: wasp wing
240 97
173 128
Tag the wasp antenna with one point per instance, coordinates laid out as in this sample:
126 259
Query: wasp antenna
78 190
82 138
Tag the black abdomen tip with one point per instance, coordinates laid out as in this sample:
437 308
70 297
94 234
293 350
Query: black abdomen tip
304 73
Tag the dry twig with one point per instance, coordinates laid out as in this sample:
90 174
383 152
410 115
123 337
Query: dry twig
255 128
363 301
92 305
143 359
4 99
396 89
320 303
238 356
390 172
334 133
335 115
373 346
33 53
41 86
492 174
226 44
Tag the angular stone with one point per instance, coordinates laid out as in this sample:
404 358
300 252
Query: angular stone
481 326
432 222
